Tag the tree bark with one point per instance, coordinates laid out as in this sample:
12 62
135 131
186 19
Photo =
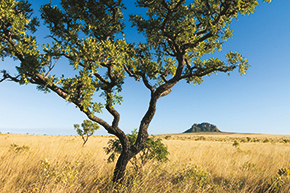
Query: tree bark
129 151
121 165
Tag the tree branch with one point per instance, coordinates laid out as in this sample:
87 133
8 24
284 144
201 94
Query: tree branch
130 72
8 76
146 83
50 68
193 45
205 71
112 110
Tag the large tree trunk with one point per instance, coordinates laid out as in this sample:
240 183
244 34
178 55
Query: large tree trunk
121 165
130 150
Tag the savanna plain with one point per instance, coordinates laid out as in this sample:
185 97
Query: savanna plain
197 163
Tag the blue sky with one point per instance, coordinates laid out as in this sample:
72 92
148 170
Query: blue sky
254 103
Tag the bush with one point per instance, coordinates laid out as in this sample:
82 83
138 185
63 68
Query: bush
279 181
202 138
17 148
236 143
154 150
266 140
198 179
66 173
167 137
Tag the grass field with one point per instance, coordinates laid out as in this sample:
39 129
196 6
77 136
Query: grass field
198 163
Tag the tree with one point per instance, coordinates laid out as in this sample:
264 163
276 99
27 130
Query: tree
179 36
154 150
88 130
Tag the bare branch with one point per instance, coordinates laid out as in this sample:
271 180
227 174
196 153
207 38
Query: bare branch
146 83
8 76
50 68
50 36
163 76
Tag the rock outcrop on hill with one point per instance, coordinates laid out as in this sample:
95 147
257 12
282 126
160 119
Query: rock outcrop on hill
203 127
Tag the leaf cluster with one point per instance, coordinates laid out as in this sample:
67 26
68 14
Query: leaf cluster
154 150
180 31
16 25
83 32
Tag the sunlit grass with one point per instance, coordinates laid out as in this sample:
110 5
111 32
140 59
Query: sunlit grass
198 163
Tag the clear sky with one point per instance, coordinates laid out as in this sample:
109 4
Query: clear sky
254 103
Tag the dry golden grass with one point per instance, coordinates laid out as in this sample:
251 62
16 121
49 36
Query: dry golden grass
198 163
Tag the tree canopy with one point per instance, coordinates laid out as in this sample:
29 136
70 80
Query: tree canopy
89 34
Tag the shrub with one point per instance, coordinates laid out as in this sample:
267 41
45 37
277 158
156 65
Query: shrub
281 179
236 143
168 137
243 141
248 166
65 174
266 140
17 148
202 138
198 179
154 150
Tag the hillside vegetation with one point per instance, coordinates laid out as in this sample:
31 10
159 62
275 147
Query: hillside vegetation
198 163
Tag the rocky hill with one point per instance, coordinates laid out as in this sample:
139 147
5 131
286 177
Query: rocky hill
203 127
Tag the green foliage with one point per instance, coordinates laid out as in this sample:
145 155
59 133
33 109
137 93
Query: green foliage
167 137
248 166
196 29
16 148
15 22
201 138
279 181
198 179
236 143
84 32
88 129
66 173
154 150
266 140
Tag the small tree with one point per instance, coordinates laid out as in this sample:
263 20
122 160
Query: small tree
179 36
154 150
88 130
